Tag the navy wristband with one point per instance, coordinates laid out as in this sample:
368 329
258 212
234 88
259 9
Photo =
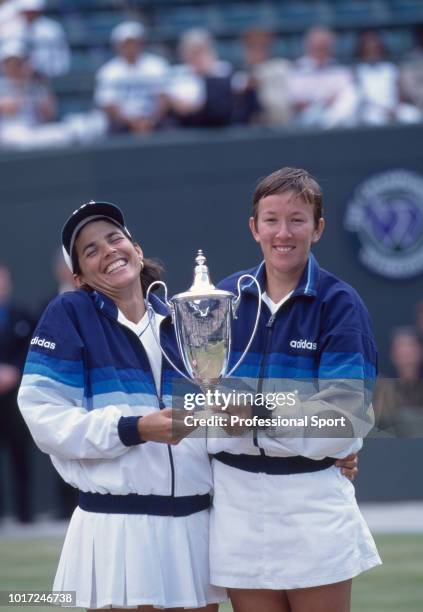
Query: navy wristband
128 431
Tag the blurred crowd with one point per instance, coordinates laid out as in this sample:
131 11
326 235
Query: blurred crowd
139 91
397 400
398 396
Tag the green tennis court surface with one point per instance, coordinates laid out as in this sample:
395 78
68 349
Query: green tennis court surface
397 586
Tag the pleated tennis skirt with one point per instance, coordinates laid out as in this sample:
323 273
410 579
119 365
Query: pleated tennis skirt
120 560
286 531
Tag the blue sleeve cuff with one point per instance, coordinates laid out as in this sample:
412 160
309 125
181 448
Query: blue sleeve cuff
128 431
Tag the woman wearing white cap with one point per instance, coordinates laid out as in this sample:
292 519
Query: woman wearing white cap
24 101
49 49
96 395
129 86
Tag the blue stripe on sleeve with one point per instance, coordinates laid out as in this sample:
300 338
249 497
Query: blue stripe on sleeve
98 375
345 365
65 378
278 365
129 386
291 361
62 365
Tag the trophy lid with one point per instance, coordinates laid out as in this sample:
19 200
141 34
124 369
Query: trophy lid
202 286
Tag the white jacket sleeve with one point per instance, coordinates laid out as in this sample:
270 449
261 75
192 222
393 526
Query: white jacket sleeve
52 397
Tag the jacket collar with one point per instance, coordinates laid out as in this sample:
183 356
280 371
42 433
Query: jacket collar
309 279
307 285
259 274
107 306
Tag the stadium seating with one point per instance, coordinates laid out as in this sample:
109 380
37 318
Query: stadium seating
88 24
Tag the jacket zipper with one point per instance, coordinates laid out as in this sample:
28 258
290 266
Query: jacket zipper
161 405
169 448
269 331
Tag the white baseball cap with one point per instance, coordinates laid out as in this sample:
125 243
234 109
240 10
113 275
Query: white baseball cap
127 30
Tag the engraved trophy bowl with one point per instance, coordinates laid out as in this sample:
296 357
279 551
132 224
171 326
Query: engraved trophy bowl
202 317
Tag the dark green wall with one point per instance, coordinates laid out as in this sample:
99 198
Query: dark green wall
187 191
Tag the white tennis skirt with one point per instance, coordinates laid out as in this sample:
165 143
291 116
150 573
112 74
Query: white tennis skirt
120 560
286 532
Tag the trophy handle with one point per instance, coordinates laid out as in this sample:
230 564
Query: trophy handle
235 305
156 284
153 327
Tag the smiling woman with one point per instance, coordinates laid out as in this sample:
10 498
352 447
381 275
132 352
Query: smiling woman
286 228
286 532
97 398
108 260
111 214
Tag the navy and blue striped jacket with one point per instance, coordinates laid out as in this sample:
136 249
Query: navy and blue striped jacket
320 338
87 379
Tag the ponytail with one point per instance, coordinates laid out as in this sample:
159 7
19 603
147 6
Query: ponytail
152 271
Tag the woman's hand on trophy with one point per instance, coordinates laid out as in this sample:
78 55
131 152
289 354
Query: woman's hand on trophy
164 426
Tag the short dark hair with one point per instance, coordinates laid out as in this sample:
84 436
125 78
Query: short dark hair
290 179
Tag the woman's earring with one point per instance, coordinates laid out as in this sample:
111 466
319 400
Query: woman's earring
142 263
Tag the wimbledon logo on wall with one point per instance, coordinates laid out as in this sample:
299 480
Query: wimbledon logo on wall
386 213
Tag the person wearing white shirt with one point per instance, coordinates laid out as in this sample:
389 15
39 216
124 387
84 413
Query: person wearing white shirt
24 101
322 91
269 76
129 86
378 85
201 91
8 12
45 38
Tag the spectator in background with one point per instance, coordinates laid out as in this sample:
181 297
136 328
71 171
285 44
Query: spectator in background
399 401
200 92
129 87
322 91
24 101
15 332
45 38
8 12
412 72
378 84
28 108
406 354
268 76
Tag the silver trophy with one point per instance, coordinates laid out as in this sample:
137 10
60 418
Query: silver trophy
202 317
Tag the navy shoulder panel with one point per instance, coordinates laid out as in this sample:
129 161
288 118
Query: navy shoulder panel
332 287
342 302
69 300
71 306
